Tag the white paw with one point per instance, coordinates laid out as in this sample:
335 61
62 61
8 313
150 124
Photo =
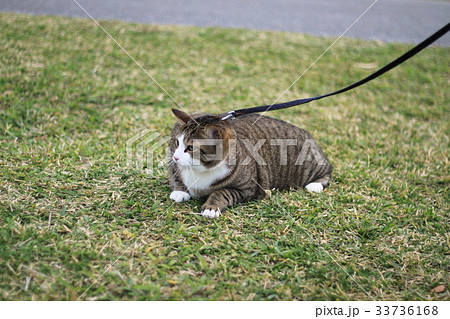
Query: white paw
209 213
314 187
180 196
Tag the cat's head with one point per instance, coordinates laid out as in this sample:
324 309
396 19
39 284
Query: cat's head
200 141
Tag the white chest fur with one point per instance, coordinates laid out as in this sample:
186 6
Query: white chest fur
200 180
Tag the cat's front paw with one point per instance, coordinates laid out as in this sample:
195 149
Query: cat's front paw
210 213
180 196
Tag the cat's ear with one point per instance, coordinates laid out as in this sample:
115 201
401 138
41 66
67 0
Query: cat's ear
183 116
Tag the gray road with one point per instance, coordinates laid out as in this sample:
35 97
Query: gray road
408 21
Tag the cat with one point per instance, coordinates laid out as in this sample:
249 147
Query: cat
238 160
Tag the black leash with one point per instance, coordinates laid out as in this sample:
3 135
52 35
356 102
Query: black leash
388 67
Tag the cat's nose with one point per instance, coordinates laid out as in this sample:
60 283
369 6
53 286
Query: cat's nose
176 158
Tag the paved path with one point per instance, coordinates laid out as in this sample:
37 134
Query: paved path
408 21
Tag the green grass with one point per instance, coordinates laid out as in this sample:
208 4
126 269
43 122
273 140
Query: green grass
71 208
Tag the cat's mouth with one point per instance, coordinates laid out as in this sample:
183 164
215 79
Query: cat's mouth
181 163
196 166
187 164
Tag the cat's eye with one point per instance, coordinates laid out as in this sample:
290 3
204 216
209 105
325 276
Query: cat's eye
190 148
176 143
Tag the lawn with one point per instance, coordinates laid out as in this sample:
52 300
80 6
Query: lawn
77 223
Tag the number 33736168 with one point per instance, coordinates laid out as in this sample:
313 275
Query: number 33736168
403 310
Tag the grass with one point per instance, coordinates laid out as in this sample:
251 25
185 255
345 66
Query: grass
76 222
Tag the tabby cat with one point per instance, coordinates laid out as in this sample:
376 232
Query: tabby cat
237 160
